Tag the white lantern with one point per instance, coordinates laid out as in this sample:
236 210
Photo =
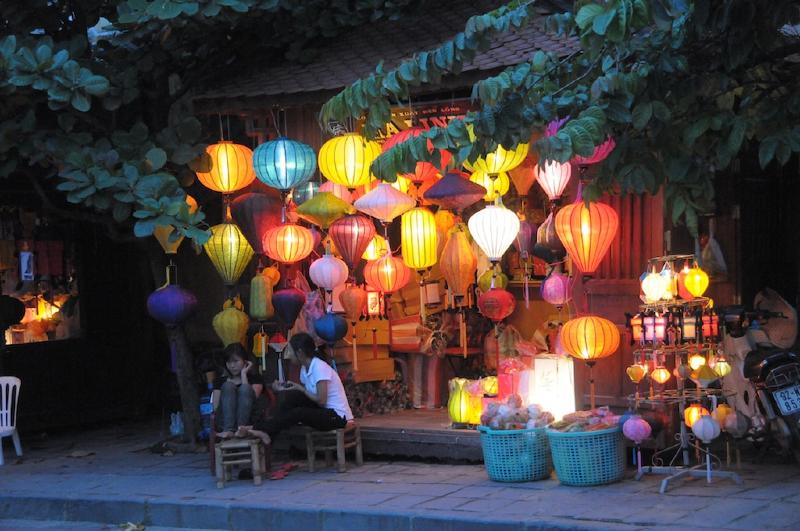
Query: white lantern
706 429
328 272
494 229
384 203
553 178
654 286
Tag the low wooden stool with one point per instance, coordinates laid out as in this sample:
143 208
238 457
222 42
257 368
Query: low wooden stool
240 452
328 441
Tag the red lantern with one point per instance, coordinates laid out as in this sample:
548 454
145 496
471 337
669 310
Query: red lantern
351 235
424 170
387 274
587 233
496 304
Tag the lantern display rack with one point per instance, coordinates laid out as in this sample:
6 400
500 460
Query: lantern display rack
666 305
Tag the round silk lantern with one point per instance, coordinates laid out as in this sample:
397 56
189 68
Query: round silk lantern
496 304
660 375
423 171
600 153
696 281
485 280
255 213
495 186
454 192
170 304
636 429
351 235
377 248
346 159
284 164
556 289
387 274
590 338
445 221
323 209
721 413
229 251
418 238
288 302
12 310
553 177
494 229
328 272
226 167
704 376
721 366
636 372
354 301
231 323
306 191
587 233
706 429
692 413
384 203
338 190
696 361
288 243
458 262
330 327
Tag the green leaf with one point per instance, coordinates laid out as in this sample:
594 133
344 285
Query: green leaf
156 157
143 228
96 85
80 102
602 21
736 135
642 114
766 151
587 14
695 130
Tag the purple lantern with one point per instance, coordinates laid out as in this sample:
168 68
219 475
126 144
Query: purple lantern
171 304
556 289
636 429
288 303
254 213
454 192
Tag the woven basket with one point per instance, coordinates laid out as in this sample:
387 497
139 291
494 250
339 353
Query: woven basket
588 457
515 455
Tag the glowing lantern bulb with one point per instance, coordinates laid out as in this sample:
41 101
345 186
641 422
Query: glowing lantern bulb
696 361
660 375
722 368
654 285
696 281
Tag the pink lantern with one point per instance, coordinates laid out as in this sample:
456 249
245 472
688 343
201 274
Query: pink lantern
384 203
328 272
553 178
556 289
351 235
636 429
600 153
338 190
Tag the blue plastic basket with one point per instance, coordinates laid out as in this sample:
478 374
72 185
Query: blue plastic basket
588 457
515 455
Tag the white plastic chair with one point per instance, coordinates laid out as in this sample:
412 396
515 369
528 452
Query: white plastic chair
9 397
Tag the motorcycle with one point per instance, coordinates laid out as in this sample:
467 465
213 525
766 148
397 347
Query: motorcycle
766 375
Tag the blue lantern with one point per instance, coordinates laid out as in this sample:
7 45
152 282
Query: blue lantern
330 327
284 164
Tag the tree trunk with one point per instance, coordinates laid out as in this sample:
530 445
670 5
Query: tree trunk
190 400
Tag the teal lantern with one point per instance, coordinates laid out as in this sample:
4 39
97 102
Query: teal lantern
304 192
284 164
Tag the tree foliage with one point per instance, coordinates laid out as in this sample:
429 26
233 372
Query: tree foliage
683 86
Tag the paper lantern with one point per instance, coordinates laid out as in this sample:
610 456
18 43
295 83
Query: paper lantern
387 274
637 328
600 153
231 323
654 285
704 376
523 176
556 289
500 160
423 171
463 407
351 235
494 228
323 209
485 280
284 164
553 177
170 304
721 367
496 304
696 361
692 413
261 295
328 272
454 192
495 186
163 232
255 213
226 167
706 428
418 238
288 302
338 190
384 203
330 327
346 159
660 375
354 301
377 248
229 251
587 233
696 281
636 372
589 338
288 243
458 262
636 429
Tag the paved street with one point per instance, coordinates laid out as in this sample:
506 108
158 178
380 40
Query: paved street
122 481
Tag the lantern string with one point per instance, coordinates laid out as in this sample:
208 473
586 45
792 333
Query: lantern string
228 119
221 135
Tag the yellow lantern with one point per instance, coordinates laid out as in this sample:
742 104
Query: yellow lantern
660 375
346 159
636 372
489 385
589 339
231 323
418 238
693 413
227 167
463 407
163 232
377 248
229 251
495 187
721 413
722 368
260 344
696 281
696 361
704 376
500 160
402 184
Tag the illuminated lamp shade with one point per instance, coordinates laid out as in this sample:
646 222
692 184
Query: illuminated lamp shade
261 287
226 167
600 153
323 209
692 413
553 177
721 413
418 238
721 367
696 361
636 372
255 213
354 301
696 281
287 303
660 375
303 193
590 338
423 171
351 235
338 190
328 272
654 285
706 428
496 304
387 274
499 160
284 164
555 288
636 429
497 186
346 159
384 203
523 176
163 233
229 251
402 184
704 376
288 243
454 192
458 262
377 247
462 406
445 220
587 233
494 229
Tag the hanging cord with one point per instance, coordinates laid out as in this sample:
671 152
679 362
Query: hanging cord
228 118
221 134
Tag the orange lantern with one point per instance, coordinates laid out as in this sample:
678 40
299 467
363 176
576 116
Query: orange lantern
288 243
227 167
590 338
660 375
587 233
353 300
523 176
693 413
387 274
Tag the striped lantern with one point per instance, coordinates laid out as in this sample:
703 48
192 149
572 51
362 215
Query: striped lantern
553 177
229 251
587 233
590 338
384 203
377 247
354 301
328 272
351 235
323 209
418 238
494 229
255 213
346 159
496 185
288 243
284 164
458 262
226 167
499 160
387 274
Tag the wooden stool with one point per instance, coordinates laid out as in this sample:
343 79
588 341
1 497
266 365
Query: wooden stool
240 452
328 441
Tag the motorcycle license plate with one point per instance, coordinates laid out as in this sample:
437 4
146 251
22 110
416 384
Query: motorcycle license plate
788 399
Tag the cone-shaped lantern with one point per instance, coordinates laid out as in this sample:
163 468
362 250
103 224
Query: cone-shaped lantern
384 203
494 229
288 243
323 209
346 159
587 233
288 303
523 176
553 177
353 300
423 171
387 274
589 339
454 192
458 262
351 235
226 167
255 213
229 251
284 164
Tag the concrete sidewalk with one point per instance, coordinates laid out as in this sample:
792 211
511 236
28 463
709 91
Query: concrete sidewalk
124 482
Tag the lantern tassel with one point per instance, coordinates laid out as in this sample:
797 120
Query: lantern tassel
462 333
422 312
263 337
355 348
525 281
374 343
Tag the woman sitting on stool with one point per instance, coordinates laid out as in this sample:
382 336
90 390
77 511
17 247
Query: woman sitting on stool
320 401
237 392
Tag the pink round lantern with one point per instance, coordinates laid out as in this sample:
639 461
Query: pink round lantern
636 429
496 304
556 289
328 272
553 178
351 235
